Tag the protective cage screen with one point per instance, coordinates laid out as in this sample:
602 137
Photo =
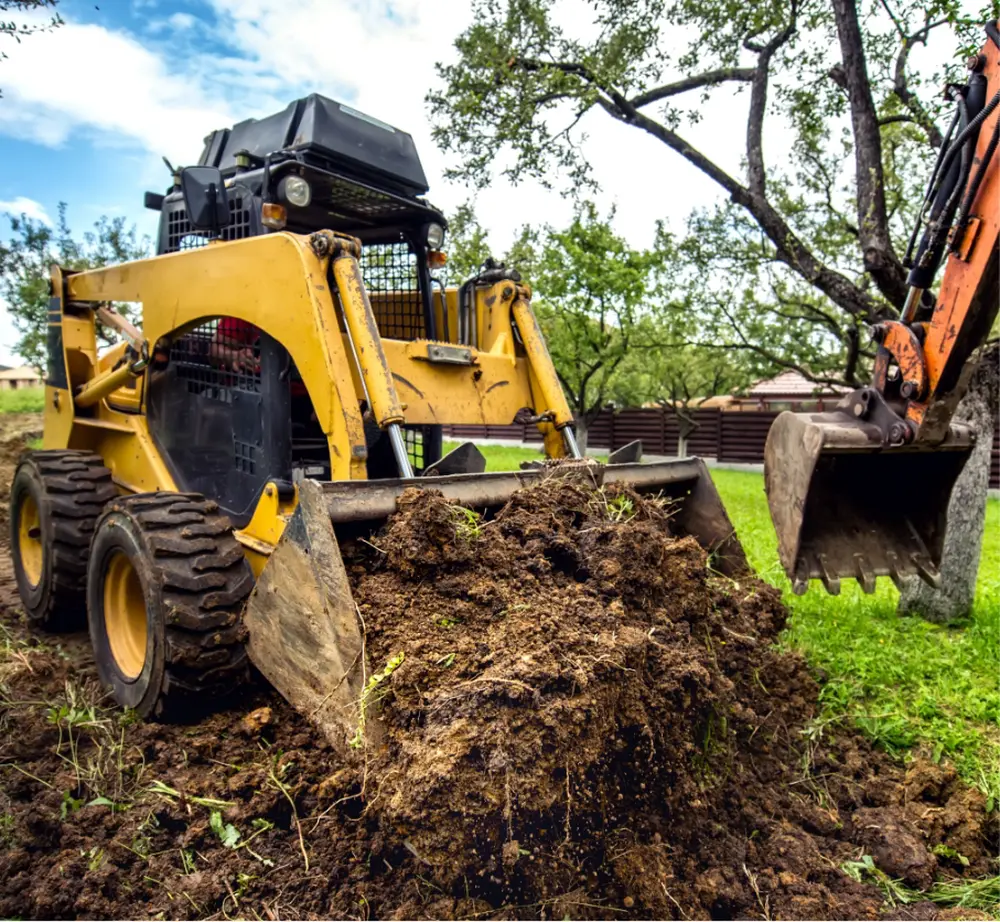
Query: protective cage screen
182 236
392 279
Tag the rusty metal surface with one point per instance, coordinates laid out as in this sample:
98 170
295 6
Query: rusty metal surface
846 507
304 634
700 512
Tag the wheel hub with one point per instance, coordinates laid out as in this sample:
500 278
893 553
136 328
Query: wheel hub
125 615
29 540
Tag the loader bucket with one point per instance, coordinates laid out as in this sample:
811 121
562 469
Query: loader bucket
846 507
305 632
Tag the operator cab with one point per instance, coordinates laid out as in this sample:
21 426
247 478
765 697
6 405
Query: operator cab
318 164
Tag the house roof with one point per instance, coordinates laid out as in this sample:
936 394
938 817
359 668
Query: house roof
792 384
21 373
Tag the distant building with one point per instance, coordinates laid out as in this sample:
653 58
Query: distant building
15 379
788 391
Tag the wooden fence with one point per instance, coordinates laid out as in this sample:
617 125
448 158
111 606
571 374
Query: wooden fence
728 437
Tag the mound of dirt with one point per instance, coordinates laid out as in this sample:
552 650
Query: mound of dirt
582 721
582 714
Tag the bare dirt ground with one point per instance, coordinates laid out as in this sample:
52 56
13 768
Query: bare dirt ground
583 721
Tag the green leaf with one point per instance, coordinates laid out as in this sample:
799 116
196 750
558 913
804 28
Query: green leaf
226 833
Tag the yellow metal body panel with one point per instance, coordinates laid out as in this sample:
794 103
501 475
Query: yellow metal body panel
280 283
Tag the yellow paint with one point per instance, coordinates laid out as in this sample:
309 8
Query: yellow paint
367 342
266 526
29 539
542 368
125 615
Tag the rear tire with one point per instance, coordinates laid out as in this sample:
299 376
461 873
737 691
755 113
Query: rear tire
167 584
55 500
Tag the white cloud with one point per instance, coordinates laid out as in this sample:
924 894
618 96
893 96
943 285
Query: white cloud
27 207
86 77
182 20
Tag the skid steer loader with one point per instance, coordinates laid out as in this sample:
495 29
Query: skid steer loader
296 359
863 491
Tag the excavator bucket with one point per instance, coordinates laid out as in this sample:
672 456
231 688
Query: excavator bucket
305 633
844 506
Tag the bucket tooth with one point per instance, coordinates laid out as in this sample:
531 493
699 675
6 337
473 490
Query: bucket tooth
865 574
895 574
800 582
926 570
830 581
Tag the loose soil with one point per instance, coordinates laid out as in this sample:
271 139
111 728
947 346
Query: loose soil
582 720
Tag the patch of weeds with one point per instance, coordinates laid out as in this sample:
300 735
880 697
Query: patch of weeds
187 861
621 508
447 622
864 870
69 805
982 894
8 826
950 854
468 523
92 741
374 691
445 660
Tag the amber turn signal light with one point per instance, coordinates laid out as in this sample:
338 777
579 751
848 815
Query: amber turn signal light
273 215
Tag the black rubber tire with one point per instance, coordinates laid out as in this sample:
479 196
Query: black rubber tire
69 489
195 580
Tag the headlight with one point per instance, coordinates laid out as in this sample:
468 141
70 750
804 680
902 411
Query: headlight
295 190
435 236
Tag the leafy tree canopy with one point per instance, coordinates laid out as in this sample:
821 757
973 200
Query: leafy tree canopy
26 259
813 241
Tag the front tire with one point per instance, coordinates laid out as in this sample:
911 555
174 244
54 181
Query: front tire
165 593
55 500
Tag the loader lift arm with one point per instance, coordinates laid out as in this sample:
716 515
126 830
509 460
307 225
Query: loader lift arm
863 491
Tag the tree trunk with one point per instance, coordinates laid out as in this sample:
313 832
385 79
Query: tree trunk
581 428
963 539
685 428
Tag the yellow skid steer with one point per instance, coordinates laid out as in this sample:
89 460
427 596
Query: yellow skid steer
293 361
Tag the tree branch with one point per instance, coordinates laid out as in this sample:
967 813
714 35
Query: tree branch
756 174
790 250
873 225
906 96
709 78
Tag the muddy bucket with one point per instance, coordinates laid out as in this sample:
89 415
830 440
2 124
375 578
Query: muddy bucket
845 506
305 633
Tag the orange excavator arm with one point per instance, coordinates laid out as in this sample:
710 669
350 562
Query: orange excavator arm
862 491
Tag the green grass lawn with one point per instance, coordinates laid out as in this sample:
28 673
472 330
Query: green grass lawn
906 682
26 400
509 457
